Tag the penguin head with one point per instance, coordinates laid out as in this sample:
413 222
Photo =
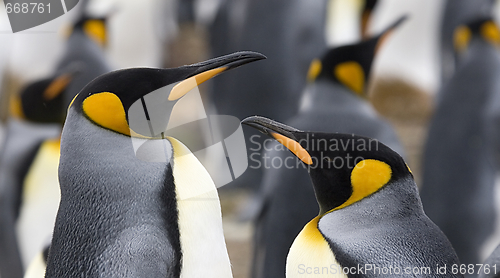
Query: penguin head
350 65
107 100
94 27
43 101
484 29
344 168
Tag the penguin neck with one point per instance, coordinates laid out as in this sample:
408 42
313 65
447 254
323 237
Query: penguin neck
325 96
204 252
396 200
310 250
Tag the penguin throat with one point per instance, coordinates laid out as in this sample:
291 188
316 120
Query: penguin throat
204 252
310 249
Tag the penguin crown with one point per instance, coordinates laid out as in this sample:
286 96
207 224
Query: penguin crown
350 65
484 28
344 168
114 100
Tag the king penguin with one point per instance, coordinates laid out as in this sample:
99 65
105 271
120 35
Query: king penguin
154 213
335 100
370 222
458 164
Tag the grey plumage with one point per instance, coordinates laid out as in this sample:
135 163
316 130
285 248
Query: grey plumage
104 216
458 165
389 229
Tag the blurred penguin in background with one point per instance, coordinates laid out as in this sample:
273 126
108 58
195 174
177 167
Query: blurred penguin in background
456 12
458 163
142 30
29 189
335 100
291 34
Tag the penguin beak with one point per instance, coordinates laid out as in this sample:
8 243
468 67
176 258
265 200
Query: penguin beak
282 133
207 70
382 38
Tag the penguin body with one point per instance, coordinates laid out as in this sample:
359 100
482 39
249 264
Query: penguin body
370 212
146 212
459 167
327 106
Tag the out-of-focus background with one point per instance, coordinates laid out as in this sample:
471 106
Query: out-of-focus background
405 78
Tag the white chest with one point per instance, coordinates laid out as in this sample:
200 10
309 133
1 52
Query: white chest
204 252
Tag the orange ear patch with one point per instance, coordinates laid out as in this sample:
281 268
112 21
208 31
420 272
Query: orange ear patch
96 30
489 31
106 110
351 74
367 177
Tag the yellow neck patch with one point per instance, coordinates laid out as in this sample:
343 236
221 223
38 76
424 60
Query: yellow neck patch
461 38
106 110
490 32
294 147
96 30
367 177
56 87
314 70
351 74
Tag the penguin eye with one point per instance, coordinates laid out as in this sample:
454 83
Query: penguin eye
328 159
